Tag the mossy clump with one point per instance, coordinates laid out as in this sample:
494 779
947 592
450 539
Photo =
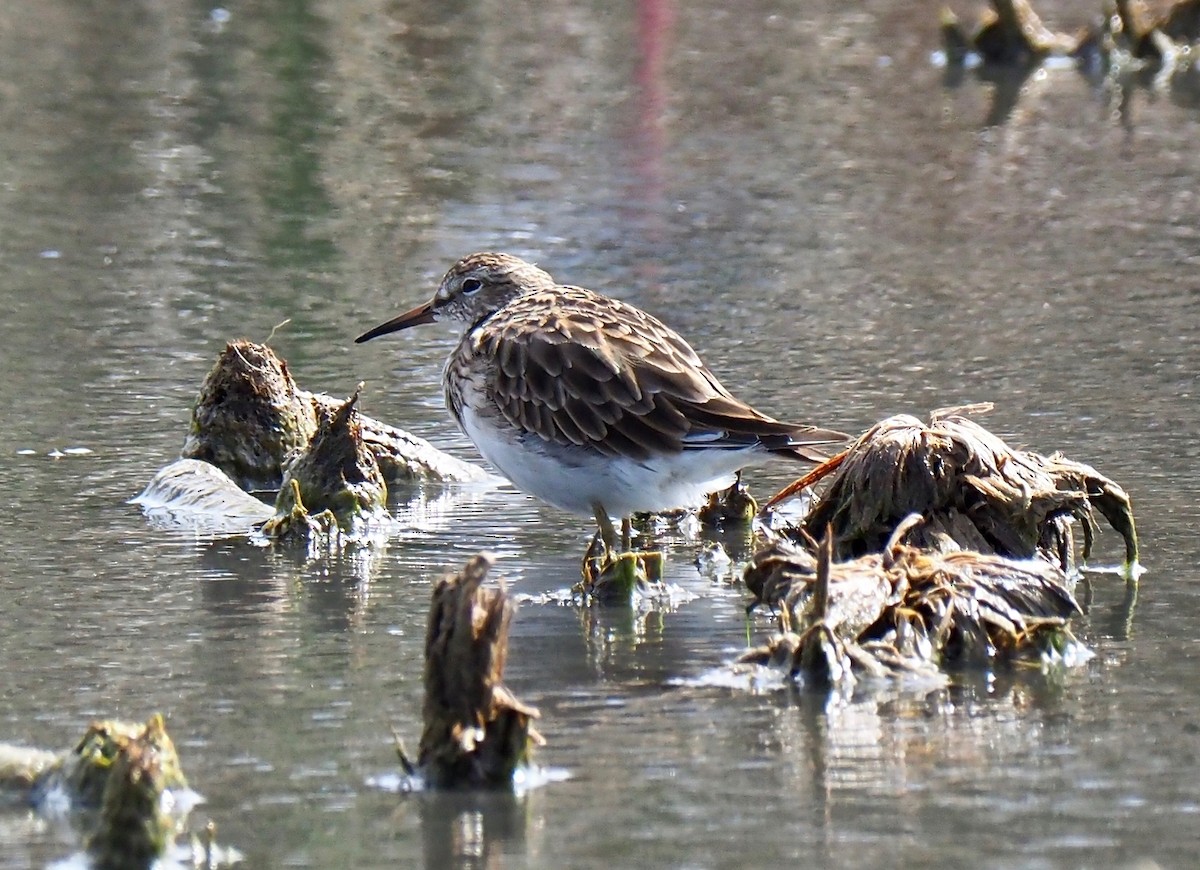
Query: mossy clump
250 416
335 473
612 572
133 830
82 774
734 506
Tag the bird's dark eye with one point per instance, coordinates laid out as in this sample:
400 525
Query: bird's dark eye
471 285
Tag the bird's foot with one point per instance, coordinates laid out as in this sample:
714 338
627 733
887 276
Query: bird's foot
729 507
612 576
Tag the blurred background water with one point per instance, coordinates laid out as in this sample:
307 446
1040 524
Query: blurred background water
841 234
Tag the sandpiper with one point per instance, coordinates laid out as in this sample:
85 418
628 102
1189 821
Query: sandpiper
587 402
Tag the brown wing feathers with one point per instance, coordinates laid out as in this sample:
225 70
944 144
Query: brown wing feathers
621 390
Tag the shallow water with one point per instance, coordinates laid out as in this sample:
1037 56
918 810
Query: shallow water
838 232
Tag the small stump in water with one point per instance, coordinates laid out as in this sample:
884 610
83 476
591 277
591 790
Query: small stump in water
133 831
82 775
333 486
123 788
972 490
734 506
614 573
619 578
476 733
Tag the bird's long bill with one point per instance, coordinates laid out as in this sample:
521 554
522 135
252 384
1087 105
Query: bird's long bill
416 316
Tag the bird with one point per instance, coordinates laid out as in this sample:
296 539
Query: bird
589 403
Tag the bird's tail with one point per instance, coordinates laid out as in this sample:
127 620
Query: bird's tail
805 443
731 424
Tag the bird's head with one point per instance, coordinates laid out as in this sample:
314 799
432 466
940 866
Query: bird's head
474 288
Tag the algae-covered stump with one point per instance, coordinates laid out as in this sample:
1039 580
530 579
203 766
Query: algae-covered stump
612 571
122 789
112 783
82 774
335 476
476 733
133 830
249 416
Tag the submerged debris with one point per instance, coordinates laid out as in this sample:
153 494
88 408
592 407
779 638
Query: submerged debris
819 641
613 572
476 733
619 577
122 787
908 610
728 507
972 490
251 416
194 494
81 776
21 767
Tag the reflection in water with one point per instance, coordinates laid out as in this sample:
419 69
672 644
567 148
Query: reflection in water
478 830
647 196
1108 617
292 189
896 745
428 508
614 636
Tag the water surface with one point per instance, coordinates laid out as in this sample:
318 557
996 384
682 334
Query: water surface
840 234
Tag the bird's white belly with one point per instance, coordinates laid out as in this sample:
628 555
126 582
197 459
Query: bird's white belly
577 479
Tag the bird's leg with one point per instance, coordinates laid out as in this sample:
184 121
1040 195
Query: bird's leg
614 575
605 530
600 550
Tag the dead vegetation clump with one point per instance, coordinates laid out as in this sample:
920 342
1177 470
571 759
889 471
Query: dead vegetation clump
908 610
940 545
971 489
